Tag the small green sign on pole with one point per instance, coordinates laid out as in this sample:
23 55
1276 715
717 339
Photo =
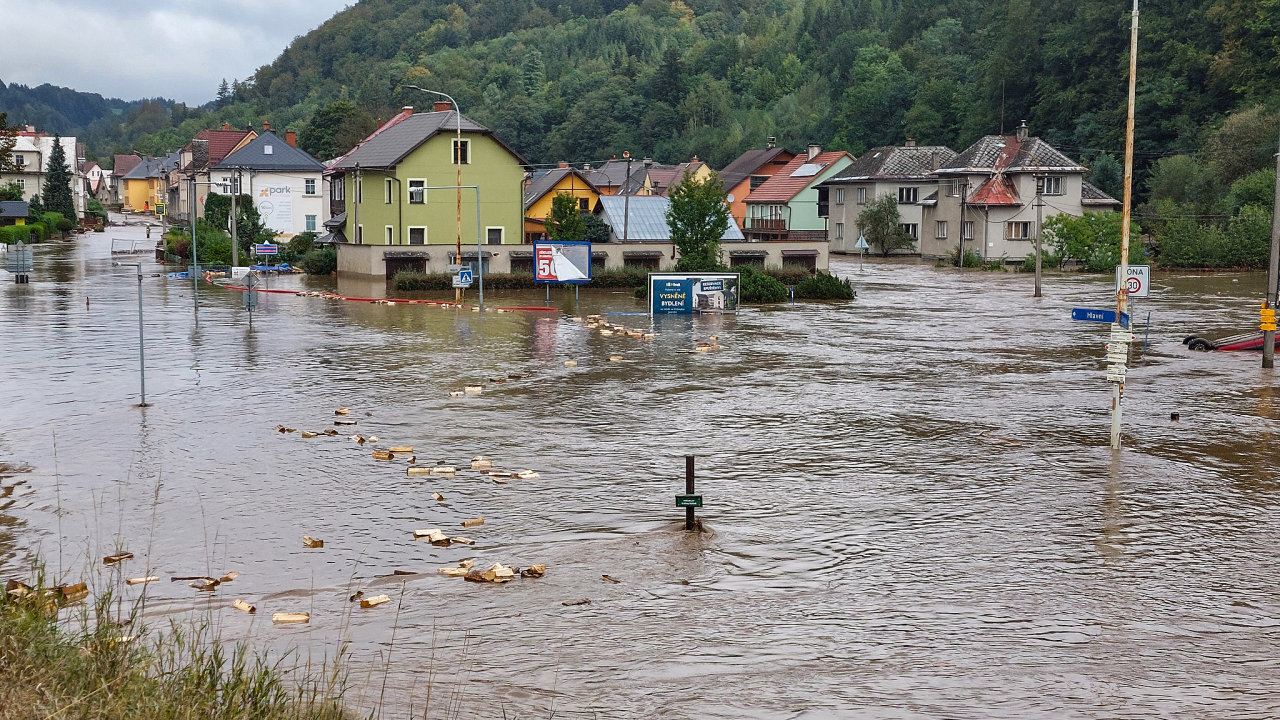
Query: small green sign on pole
688 501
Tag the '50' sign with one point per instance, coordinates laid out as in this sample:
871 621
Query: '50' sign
546 268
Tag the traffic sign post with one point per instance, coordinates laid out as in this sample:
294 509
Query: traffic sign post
463 279
1138 281
1101 316
862 249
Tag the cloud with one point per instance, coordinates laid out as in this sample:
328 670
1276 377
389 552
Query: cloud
180 50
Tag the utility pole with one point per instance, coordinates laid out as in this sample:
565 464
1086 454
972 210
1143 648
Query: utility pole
626 199
1040 181
235 244
1122 294
1273 283
964 206
195 255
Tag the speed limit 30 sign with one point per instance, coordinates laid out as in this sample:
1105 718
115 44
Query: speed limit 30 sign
1138 282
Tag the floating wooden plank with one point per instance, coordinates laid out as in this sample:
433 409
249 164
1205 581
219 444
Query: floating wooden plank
244 606
287 617
310 542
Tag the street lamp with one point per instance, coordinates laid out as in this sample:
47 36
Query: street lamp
457 160
142 358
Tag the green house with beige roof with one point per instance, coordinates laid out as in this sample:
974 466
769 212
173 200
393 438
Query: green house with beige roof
401 194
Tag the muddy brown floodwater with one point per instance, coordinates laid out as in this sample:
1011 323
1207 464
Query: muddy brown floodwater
910 504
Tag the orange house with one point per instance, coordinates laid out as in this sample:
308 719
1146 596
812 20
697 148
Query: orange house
748 172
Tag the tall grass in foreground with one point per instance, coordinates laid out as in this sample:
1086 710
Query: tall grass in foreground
91 666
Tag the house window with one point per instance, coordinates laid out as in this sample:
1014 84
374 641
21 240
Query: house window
417 192
461 152
20 160
908 195
471 262
390 233
862 196
309 186
1049 185
757 181
338 191
359 234
966 230
493 235
912 230
417 236
359 190
386 191
649 263
311 223
584 204
941 231
955 188
839 196
839 231
1017 230
522 266
22 183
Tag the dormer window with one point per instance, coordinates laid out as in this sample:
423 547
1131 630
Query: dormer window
266 149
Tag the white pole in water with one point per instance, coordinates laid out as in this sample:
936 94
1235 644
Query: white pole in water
1122 294
142 357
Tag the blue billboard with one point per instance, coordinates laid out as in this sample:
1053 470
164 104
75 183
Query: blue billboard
687 293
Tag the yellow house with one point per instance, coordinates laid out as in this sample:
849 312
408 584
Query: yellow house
147 185
540 193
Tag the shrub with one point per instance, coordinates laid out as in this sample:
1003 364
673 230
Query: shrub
1048 260
971 258
298 246
757 287
410 281
787 274
30 233
321 261
824 287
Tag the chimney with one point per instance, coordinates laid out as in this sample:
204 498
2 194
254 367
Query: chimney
1023 130
562 164
226 126
407 109
814 150
291 137
935 160
441 106
266 126
911 142
770 143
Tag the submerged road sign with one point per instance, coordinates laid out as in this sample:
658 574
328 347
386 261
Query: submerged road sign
1101 316
687 501
1138 282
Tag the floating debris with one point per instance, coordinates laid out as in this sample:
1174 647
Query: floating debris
284 429
571 363
575 319
356 596
113 559
444 470
342 411
526 475
453 571
499 573
456 393
383 455
374 439
244 606
206 584
473 389
534 571
375 601
330 432
285 617
17 589
582 601
67 594
615 358
610 580
417 471
481 463
437 497
308 434
358 438
497 379
345 422
141 580
459 540
229 577
310 542
435 535
400 449
473 522
515 376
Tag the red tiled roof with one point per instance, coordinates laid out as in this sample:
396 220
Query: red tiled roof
996 190
783 186
221 142
122 164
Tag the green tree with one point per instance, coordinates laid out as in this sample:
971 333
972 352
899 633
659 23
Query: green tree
8 138
597 229
10 191
249 225
880 223
1257 189
335 129
698 218
224 94
57 183
1246 142
565 223
1092 239
1107 175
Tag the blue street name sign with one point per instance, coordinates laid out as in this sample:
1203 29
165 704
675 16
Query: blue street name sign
1101 316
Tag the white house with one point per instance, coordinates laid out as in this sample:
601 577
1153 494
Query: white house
284 182
31 156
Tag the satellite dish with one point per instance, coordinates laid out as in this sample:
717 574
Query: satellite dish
729 197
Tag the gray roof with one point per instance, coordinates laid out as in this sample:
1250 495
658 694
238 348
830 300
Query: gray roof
1005 153
153 167
648 218
13 209
387 148
1091 195
892 162
748 163
544 182
269 152
614 172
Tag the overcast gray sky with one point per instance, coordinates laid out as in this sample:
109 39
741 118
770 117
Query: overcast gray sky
179 49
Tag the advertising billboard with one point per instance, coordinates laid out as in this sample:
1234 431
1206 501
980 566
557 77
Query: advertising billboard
562 262
275 206
688 293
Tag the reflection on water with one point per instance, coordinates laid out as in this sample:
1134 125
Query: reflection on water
911 507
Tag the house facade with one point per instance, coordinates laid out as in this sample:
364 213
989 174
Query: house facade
30 155
285 182
147 185
792 205
402 197
906 173
749 171
999 190
206 149
542 190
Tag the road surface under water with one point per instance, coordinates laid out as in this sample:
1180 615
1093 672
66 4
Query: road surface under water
911 508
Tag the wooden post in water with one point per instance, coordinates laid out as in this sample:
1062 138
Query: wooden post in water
1273 284
688 490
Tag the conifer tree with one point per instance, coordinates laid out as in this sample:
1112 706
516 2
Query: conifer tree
57 183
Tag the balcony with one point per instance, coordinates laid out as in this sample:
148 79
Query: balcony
766 224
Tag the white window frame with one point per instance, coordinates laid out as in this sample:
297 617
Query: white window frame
911 229
908 195
389 234
862 196
309 186
19 160
408 191
966 230
1027 228
409 236
955 188
388 193
502 234
1049 185
309 222
940 230
839 196
454 144
839 231
22 183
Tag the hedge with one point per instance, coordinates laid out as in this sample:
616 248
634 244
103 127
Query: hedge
12 234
